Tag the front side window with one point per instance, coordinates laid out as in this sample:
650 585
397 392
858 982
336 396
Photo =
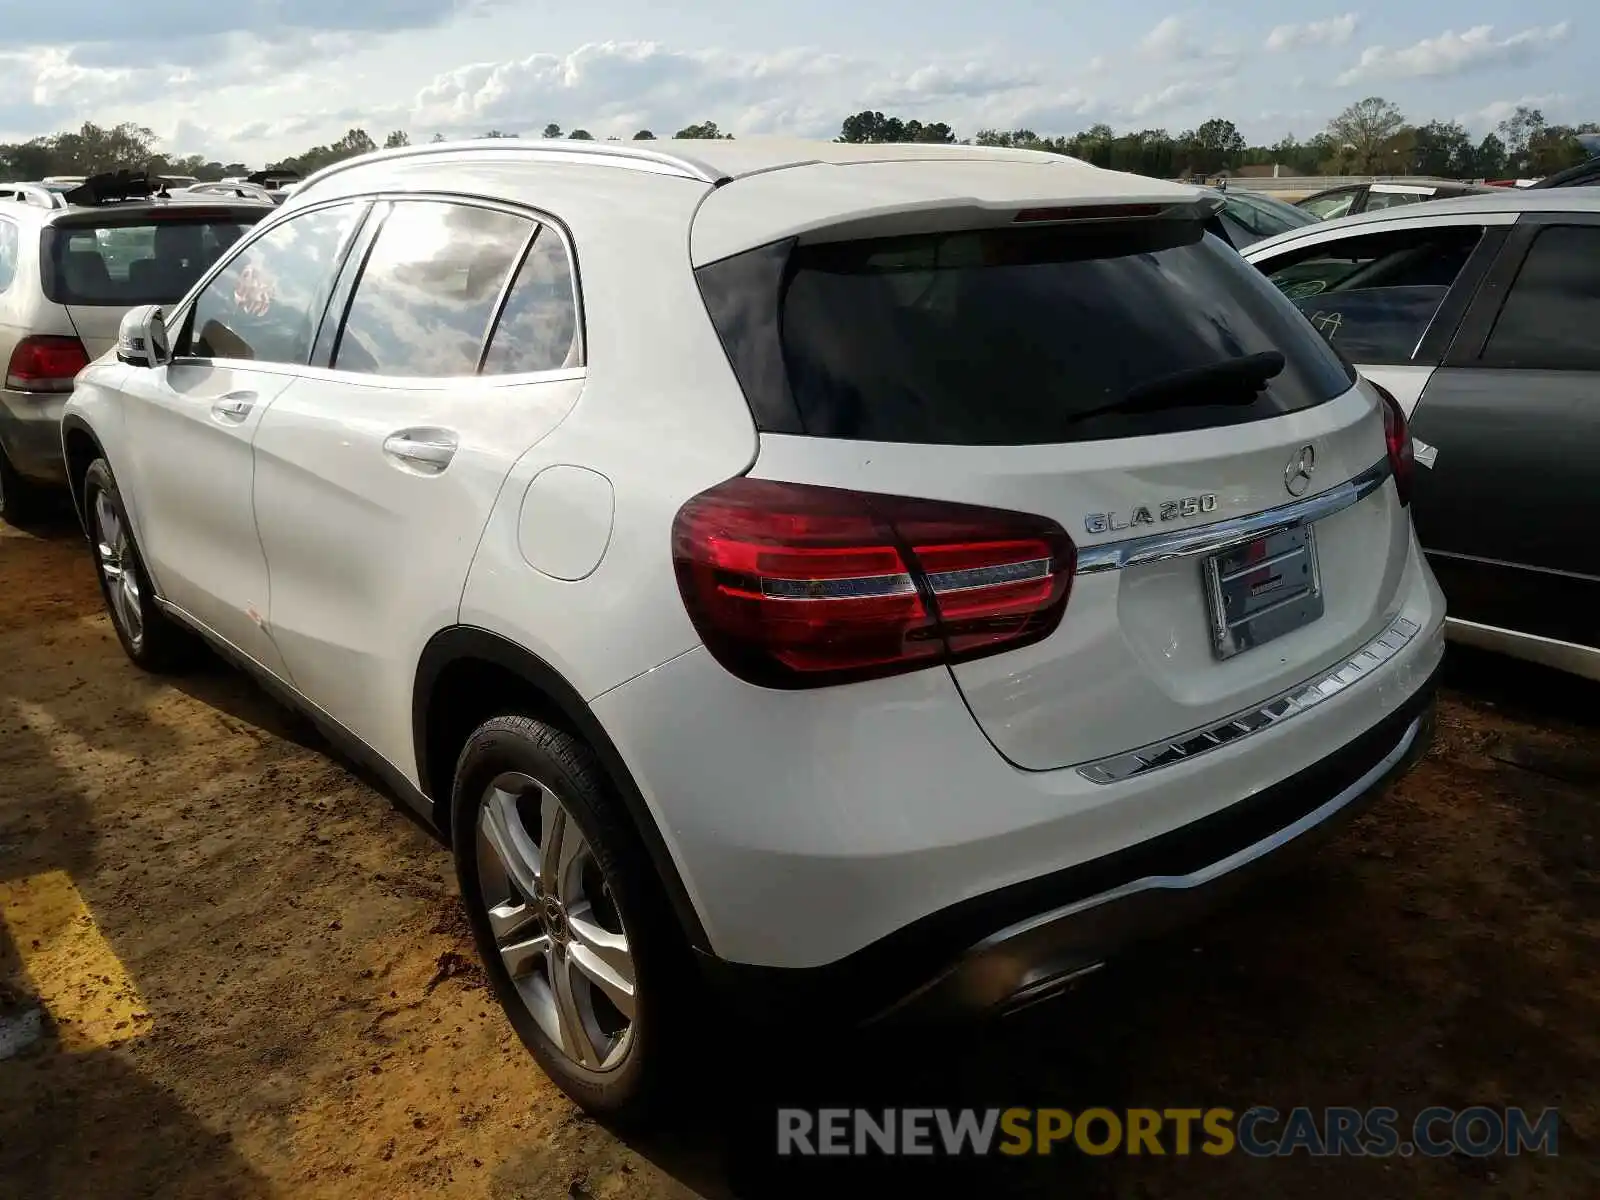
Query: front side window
266 304
538 330
1374 296
428 289
1334 204
1552 312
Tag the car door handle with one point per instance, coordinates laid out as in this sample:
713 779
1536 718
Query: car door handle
235 406
427 449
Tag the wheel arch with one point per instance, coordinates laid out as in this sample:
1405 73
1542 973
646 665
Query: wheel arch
465 675
80 446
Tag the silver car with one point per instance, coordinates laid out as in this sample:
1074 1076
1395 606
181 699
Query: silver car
71 263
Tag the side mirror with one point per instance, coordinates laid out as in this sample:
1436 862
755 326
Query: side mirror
142 338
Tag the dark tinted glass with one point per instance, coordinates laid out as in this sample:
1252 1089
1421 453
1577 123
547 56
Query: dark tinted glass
1331 204
427 292
538 329
1551 318
136 262
1266 218
267 302
1016 337
1380 325
1375 296
1240 235
1377 200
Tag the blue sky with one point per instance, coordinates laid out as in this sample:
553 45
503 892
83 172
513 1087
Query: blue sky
262 78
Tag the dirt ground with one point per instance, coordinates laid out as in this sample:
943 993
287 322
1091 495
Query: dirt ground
303 1016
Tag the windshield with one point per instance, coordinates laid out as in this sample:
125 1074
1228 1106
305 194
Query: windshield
1330 205
1270 215
139 261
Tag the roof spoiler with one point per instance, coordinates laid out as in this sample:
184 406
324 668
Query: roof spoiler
112 186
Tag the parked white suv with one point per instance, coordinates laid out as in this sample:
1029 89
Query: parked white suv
882 579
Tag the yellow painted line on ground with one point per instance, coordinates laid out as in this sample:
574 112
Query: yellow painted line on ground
70 965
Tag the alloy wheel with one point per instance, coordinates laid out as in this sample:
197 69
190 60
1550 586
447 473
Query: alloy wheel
557 931
115 558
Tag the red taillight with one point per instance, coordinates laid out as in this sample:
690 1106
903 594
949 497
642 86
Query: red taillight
1397 436
45 364
791 585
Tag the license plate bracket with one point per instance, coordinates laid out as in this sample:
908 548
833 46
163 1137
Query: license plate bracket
1262 589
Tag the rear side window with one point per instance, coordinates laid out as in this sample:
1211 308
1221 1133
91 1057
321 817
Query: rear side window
538 328
1013 337
131 262
428 289
1552 312
1375 296
9 243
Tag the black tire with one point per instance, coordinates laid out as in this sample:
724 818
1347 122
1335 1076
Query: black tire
158 644
22 502
515 746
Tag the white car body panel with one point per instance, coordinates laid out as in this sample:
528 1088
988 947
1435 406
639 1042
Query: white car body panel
192 468
368 552
1137 640
629 428
821 199
1404 383
864 808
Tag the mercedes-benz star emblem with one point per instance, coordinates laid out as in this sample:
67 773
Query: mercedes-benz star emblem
1297 475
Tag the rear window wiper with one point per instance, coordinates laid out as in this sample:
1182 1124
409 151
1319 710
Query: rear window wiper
1233 381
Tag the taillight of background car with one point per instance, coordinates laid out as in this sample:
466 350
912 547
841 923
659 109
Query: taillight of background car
792 585
1397 438
45 364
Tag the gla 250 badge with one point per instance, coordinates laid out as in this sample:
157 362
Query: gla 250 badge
1151 514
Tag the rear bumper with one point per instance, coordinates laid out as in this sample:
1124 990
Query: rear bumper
30 431
1025 943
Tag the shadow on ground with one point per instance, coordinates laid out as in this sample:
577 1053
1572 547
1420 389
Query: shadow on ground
67 1115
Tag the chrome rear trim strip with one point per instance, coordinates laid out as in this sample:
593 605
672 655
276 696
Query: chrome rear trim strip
1241 725
1219 535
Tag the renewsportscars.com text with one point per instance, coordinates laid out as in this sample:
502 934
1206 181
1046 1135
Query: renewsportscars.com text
1258 1132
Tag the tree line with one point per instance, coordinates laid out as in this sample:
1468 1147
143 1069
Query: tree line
1371 137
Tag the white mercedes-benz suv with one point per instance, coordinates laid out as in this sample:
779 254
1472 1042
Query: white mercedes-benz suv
878 580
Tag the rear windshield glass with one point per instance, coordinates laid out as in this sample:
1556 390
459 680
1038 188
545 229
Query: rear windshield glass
129 263
1015 337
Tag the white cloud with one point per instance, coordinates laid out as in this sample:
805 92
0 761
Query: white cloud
1335 31
615 87
1451 53
1174 96
1169 41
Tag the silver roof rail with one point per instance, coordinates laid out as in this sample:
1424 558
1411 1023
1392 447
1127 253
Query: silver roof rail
34 194
615 154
